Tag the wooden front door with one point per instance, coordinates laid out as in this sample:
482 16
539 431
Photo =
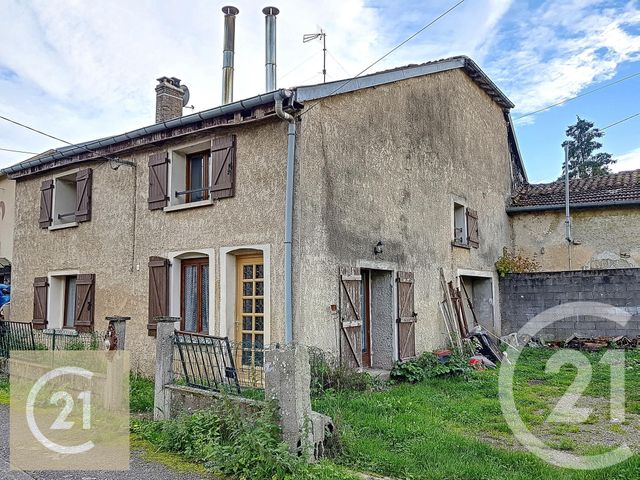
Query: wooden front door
250 310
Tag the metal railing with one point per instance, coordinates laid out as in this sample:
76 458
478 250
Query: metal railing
205 362
15 336
62 339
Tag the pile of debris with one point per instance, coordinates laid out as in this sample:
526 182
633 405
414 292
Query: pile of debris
597 343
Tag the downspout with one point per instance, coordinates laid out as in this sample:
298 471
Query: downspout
288 216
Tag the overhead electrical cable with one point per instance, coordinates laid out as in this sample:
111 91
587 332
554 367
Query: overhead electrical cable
348 81
589 92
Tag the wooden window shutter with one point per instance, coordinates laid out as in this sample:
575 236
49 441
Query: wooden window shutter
472 228
40 291
223 161
158 291
406 316
46 203
158 180
84 183
350 321
85 295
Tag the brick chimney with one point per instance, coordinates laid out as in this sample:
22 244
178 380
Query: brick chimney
169 98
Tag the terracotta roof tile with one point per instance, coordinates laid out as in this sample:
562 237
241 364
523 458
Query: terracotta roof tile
617 187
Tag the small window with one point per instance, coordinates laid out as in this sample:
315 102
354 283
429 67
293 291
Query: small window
70 302
460 228
64 204
197 177
195 295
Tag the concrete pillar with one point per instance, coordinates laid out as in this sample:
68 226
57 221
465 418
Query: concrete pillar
119 324
164 367
288 383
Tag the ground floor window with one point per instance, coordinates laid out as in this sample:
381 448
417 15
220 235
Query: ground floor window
195 295
250 309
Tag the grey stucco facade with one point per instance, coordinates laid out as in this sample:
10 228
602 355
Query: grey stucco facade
383 164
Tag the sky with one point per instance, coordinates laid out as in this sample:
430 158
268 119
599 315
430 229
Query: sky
82 70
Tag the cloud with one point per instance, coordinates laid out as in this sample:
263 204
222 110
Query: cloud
627 161
557 50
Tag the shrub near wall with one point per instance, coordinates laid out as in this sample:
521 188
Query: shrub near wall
525 295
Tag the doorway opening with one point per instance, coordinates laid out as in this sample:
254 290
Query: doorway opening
479 292
378 322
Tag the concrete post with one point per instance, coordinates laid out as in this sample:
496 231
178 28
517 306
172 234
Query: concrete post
119 324
288 383
164 367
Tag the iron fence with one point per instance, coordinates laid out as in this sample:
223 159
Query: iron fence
206 362
15 336
57 339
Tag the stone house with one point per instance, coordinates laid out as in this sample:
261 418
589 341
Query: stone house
7 203
605 223
304 215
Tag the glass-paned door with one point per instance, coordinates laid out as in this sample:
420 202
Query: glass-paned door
250 310
195 296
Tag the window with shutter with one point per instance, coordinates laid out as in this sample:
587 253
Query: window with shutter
46 203
40 291
158 180
84 307
84 183
406 316
223 161
350 321
158 291
472 225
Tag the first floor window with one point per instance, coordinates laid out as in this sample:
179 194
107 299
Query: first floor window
195 295
69 301
197 177
459 224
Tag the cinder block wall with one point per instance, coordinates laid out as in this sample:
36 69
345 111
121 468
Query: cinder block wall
525 295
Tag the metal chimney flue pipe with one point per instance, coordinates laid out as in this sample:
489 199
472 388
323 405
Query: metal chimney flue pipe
270 46
228 52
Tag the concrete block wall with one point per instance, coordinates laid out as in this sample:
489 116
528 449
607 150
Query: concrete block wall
525 295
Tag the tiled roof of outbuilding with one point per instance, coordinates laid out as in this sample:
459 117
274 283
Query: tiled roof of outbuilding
608 190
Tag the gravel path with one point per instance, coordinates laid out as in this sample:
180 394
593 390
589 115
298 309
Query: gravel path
140 469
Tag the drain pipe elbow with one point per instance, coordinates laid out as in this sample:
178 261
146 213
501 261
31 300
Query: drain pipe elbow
288 214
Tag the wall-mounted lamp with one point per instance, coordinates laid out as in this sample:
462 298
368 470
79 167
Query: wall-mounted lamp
379 248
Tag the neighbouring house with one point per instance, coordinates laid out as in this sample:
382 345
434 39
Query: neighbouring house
395 176
7 219
605 221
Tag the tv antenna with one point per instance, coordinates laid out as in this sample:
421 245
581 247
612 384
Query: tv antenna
322 36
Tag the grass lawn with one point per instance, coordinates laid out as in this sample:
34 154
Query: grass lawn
454 429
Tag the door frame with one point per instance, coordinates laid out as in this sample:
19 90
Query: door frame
367 354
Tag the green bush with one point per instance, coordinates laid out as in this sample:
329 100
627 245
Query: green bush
428 365
328 375
141 392
227 441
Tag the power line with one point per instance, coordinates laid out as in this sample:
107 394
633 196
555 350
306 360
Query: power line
589 92
63 141
347 82
621 121
16 151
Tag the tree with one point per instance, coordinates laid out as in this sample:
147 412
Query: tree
584 161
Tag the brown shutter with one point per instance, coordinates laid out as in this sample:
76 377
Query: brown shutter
158 180
40 290
350 321
406 316
158 291
85 294
472 228
84 183
46 203
223 161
